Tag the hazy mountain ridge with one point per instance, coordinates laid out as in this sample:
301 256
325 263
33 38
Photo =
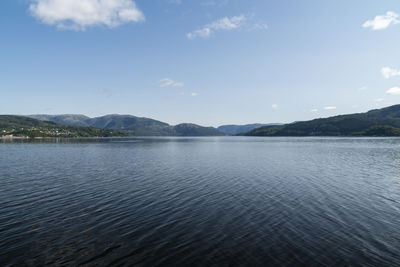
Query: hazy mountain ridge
190 129
377 122
66 119
138 126
234 129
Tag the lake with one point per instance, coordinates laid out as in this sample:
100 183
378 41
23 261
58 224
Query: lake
224 201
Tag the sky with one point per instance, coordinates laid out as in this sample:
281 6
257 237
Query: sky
209 62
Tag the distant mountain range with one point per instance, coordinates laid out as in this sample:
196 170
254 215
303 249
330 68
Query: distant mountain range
133 125
238 129
378 122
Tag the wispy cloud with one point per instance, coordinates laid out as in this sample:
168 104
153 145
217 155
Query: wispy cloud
388 72
314 110
382 22
379 99
393 91
194 94
275 106
167 82
80 14
330 108
224 24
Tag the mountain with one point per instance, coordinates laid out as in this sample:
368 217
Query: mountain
238 129
189 129
67 119
11 125
380 131
378 122
134 125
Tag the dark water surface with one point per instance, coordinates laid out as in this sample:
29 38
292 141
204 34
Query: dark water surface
228 201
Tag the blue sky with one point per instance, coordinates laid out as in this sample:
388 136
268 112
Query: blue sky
209 62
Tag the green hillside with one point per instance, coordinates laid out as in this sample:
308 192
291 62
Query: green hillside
379 122
66 119
11 125
136 126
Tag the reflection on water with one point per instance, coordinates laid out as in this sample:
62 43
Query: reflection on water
226 201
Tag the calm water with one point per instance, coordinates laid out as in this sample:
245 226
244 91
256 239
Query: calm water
228 201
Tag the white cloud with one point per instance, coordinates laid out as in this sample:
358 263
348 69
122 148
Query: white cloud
80 14
379 99
274 106
363 88
224 24
388 72
330 108
393 91
227 23
314 110
170 83
382 22
194 94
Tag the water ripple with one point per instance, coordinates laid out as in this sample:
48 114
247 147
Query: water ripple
201 202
